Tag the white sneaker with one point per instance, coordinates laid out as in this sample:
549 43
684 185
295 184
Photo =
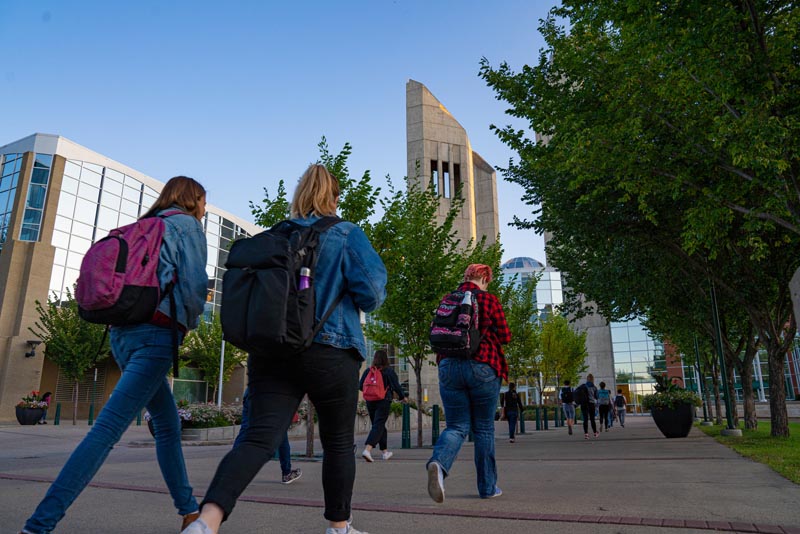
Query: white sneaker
348 530
386 455
197 527
367 455
436 482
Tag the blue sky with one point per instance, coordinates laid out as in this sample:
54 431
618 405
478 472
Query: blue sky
238 94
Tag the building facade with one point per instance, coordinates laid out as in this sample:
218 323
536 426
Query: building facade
56 199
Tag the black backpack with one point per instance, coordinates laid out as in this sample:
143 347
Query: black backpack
581 394
619 401
263 309
454 328
566 395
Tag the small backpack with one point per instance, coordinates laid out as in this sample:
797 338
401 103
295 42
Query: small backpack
118 281
604 397
566 395
374 388
455 329
264 309
619 401
581 394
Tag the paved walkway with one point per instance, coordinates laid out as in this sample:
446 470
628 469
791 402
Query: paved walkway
629 480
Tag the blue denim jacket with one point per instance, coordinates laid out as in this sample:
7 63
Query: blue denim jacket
184 251
347 262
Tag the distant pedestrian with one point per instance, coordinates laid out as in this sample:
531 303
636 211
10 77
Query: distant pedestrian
589 406
469 388
512 405
379 409
568 405
144 353
604 404
350 275
620 405
45 398
288 475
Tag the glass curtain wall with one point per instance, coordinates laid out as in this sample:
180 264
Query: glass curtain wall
636 356
10 165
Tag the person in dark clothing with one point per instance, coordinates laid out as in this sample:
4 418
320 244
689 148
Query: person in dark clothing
513 406
379 409
589 406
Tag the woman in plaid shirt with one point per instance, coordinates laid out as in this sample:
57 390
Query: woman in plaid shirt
469 390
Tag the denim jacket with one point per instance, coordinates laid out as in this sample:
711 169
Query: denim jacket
347 262
184 252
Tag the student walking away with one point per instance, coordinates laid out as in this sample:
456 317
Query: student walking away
341 274
568 405
469 381
288 475
144 353
45 398
377 384
620 405
512 405
586 396
604 404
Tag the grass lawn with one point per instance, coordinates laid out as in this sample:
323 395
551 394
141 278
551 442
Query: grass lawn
781 454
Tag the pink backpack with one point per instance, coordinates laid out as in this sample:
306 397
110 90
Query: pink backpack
118 281
374 389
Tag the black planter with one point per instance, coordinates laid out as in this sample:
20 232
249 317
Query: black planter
674 422
29 416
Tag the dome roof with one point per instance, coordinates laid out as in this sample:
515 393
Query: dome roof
522 263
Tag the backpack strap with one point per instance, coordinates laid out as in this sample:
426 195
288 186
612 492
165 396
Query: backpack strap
326 222
320 226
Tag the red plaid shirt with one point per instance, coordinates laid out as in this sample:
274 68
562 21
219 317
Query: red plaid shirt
494 330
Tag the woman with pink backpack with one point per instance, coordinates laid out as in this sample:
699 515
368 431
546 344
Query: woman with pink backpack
377 385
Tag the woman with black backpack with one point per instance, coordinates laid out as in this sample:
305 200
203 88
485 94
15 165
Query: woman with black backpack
587 396
379 408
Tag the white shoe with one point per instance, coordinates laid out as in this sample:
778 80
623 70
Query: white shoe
197 527
386 455
367 455
349 530
436 482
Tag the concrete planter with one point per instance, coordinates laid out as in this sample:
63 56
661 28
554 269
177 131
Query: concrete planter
219 433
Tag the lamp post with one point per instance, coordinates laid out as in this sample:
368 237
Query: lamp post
730 430
700 382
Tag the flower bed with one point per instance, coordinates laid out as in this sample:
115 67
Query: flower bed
207 415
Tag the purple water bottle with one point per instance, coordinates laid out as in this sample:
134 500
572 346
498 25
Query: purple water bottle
305 279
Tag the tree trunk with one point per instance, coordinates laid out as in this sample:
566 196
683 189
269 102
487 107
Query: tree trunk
777 392
750 418
729 366
309 428
75 405
418 373
717 400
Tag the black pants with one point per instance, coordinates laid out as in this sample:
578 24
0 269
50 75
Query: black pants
587 410
276 386
604 409
378 414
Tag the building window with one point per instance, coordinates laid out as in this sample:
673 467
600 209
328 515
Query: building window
446 178
435 176
10 165
37 194
456 180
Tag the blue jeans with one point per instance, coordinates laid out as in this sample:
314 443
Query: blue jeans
144 354
512 423
284 449
469 391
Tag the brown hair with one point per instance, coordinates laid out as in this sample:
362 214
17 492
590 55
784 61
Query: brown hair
590 377
181 190
476 271
316 194
380 359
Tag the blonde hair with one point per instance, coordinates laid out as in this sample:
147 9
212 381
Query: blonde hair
182 191
316 193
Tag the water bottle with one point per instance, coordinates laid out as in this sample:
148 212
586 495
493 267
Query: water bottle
305 279
465 311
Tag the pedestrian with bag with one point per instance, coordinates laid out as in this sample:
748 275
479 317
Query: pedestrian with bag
587 398
144 353
320 356
45 398
512 406
377 384
469 379
568 405
604 405
620 405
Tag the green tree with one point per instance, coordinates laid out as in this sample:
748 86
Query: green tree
203 348
519 304
70 342
676 116
424 260
563 351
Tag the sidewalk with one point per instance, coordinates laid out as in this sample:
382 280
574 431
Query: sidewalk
628 480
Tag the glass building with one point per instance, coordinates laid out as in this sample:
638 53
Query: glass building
636 356
56 199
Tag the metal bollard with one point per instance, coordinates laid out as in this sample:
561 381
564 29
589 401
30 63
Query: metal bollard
406 444
139 419
435 425
538 419
57 418
545 417
91 414
522 422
